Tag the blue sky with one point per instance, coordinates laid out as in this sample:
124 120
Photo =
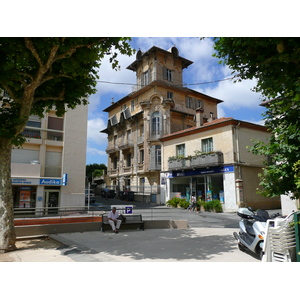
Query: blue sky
239 101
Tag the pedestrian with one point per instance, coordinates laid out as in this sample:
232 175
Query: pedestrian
193 204
114 220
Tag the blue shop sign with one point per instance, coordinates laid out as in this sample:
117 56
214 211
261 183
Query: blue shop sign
205 171
50 181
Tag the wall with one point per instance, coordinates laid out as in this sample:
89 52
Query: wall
74 157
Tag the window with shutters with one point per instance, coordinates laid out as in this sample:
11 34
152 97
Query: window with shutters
155 157
155 124
141 156
55 124
115 162
169 95
207 145
180 150
128 160
24 156
190 102
53 163
167 74
146 77
132 105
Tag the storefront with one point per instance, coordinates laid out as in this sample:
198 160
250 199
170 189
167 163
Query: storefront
40 194
206 184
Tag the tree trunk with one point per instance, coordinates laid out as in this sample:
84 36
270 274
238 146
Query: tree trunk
7 230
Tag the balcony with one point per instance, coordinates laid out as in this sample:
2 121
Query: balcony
125 143
178 163
112 148
36 135
205 159
214 158
154 136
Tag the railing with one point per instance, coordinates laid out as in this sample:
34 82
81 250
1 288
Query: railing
156 135
61 213
140 189
45 212
48 134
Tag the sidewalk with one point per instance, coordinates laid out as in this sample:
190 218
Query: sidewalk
195 244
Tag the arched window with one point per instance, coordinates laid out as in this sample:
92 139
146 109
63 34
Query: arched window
155 123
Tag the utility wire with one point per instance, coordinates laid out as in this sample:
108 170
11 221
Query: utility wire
184 84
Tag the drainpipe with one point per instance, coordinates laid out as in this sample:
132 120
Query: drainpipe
236 135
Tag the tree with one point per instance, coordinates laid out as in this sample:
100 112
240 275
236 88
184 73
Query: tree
91 168
274 62
38 74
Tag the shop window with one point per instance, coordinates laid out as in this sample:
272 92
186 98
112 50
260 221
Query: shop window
24 196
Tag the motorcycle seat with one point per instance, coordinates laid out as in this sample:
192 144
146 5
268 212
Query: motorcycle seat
249 227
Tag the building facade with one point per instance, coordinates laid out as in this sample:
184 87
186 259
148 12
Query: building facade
212 161
154 131
158 105
49 170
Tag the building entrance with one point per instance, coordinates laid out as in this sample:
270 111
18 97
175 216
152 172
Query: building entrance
51 201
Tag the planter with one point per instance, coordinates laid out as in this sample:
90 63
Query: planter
207 159
177 163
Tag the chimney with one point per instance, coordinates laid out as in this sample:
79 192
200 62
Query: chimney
211 117
199 116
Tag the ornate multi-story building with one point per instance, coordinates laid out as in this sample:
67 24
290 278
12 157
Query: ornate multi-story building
158 105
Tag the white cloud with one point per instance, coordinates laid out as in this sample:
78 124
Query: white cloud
235 95
94 135
95 151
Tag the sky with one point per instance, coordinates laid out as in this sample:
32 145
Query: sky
240 102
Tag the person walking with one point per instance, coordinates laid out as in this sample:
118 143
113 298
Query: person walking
113 220
193 204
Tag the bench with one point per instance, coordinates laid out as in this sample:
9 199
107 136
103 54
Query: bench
130 220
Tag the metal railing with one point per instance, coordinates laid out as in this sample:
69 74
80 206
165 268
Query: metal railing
45 212
60 213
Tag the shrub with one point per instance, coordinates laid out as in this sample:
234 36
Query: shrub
174 202
214 205
183 203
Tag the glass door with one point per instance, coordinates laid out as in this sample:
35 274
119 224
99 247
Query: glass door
51 201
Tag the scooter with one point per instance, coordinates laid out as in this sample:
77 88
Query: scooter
252 230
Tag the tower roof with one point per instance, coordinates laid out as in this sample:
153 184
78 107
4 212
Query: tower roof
173 50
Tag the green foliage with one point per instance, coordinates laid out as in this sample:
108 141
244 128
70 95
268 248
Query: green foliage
183 203
174 202
177 157
274 63
296 169
94 170
214 205
39 73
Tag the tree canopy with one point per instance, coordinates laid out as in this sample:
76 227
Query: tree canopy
274 63
39 74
